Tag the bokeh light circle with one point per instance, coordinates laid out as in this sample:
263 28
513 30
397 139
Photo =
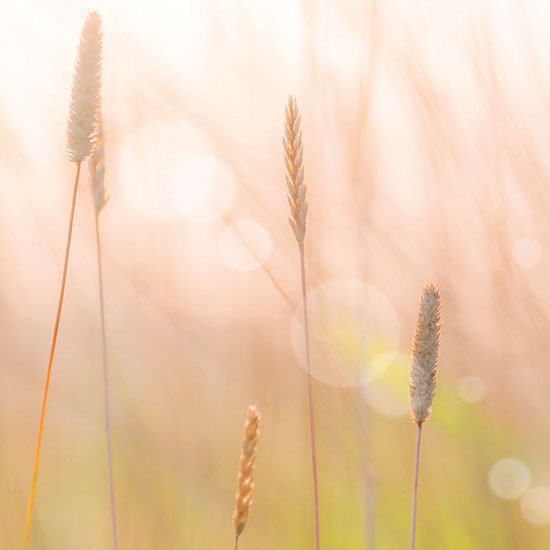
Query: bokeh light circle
527 252
388 394
471 388
245 245
200 188
351 324
509 478
163 183
535 505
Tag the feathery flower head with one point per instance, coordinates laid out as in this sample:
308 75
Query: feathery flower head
425 354
96 164
292 143
245 480
82 126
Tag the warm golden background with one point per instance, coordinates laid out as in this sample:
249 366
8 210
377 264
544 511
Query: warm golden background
427 137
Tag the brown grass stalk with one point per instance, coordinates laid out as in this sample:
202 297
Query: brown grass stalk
50 363
423 375
292 143
97 184
82 129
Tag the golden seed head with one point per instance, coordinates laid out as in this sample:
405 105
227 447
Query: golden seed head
82 126
294 162
245 480
96 164
425 354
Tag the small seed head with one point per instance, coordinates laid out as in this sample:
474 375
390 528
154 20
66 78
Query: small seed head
245 480
425 355
82 126
294 162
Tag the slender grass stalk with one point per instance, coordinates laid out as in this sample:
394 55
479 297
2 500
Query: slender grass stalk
82 128
106 384
97 185
229 223
245 479
310 401
415 487
292 143
423 376
50 362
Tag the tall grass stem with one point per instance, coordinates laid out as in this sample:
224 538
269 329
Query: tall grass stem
106 383
310 399
50 363
415 488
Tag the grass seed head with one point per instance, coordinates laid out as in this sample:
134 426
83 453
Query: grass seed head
425 355
245 480
96 164
83 123
294 162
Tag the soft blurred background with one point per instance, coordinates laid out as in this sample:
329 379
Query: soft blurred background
426 134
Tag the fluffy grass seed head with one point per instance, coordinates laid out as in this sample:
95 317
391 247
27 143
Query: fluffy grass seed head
294 161
96 164
83 123
245 480
425 354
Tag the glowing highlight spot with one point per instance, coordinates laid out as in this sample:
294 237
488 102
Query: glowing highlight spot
164 183
526 252
388 394
200 188
245 245
471 389
351 324
509 478
535 505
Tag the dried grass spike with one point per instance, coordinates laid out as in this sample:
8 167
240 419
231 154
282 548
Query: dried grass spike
292 143
82 126
425 354
96 165
245 480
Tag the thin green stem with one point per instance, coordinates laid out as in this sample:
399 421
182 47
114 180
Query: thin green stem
106 384
310 399
50 363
